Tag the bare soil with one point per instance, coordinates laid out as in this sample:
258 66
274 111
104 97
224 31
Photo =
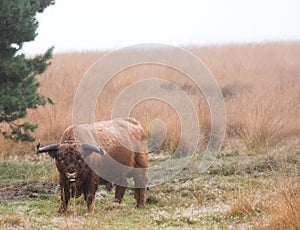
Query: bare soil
20 191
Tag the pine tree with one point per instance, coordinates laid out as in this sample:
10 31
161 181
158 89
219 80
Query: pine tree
18 84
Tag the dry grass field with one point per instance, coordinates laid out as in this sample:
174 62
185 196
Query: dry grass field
253 184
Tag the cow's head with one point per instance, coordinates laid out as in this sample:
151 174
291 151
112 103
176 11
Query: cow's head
69 157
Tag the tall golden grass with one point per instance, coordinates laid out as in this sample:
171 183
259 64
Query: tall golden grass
260 84
285 212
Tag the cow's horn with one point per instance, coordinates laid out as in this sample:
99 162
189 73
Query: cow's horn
87 149
47 148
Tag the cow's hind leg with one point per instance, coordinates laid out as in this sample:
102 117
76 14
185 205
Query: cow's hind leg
140 196
140 177
140 182
121 187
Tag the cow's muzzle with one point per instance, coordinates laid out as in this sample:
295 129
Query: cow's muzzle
71 176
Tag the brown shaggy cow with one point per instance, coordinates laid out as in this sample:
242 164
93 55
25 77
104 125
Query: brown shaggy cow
83 166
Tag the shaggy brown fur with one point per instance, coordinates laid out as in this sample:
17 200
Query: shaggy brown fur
123 140
75 176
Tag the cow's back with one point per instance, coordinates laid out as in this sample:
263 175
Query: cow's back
121 135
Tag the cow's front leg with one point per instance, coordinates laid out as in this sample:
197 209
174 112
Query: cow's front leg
90 192
64 196
90 201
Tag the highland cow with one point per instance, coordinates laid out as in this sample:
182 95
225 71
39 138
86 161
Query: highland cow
121 154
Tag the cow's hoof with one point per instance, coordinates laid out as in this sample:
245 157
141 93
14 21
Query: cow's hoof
116 205
140 206
62 211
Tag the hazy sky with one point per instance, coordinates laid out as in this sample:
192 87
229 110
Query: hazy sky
71 25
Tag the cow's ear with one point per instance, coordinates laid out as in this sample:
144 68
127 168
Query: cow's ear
53 154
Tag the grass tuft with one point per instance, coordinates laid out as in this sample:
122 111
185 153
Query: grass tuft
285 213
